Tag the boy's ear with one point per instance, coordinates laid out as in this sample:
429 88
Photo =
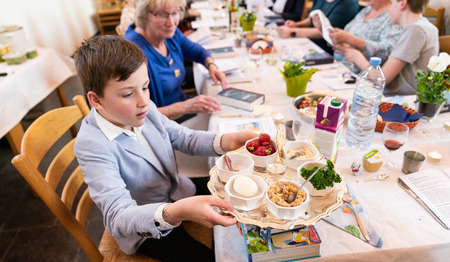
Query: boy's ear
94 100
404 4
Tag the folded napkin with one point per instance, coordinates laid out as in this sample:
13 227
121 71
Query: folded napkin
398 114
344 218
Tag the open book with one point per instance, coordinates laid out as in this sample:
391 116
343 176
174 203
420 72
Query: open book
431 189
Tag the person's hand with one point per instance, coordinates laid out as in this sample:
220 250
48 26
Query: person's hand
217 75
199 209
354 55
201 104
284 31
235 140
193 12
289 23
317 23
339 36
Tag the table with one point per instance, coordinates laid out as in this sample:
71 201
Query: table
28 84
409 233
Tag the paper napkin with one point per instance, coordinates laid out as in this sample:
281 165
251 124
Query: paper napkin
344 218
398 114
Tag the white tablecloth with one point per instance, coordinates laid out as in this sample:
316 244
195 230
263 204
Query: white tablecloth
29 83
409 233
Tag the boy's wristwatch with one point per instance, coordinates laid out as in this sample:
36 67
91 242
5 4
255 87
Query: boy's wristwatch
293 33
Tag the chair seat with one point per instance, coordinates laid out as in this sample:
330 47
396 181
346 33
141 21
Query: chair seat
111 252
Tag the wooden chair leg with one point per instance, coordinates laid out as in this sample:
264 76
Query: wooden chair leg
63 100
14 137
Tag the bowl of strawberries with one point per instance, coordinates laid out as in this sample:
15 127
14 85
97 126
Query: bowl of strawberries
261 149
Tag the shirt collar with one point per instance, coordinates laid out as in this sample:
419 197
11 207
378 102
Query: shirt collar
112 131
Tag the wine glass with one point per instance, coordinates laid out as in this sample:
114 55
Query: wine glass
255 58
394 136
303 128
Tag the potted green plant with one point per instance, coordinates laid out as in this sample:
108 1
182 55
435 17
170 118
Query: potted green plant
296 77
247 21
433 86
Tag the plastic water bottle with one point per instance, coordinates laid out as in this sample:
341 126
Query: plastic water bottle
364 110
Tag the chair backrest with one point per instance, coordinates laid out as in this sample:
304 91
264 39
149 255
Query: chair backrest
444 43
38 139
438 17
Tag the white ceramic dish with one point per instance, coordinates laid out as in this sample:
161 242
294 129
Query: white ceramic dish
241 162
260 161
242 202
289 212
309 186
295 145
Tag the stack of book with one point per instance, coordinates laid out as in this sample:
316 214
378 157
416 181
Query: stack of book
288 245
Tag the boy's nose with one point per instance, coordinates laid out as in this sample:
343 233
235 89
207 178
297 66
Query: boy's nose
143 99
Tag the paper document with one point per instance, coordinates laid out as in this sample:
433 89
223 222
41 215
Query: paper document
257 125
326 26
431 188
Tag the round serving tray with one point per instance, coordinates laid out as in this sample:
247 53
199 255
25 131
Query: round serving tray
318 208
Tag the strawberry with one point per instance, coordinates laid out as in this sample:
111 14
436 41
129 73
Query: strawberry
270 149
261 151
264 139
252 146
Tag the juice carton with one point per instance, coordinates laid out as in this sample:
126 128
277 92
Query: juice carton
329 125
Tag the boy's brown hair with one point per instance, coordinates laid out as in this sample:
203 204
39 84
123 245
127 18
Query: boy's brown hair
104 58
417 6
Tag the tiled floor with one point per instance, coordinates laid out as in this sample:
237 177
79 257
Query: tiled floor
28 230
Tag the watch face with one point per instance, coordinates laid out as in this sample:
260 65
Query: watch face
293 34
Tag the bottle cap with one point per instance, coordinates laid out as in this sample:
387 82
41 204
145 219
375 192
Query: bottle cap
336 102
375 61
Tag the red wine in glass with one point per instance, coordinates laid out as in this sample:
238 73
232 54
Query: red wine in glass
392 144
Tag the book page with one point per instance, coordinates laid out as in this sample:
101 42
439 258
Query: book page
432 186
326 26
257 125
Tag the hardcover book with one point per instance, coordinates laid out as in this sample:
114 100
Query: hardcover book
318 58
240 98
222 52
288 245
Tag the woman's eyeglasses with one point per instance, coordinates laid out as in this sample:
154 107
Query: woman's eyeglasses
162 16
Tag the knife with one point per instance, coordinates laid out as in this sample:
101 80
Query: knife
235 82
411 193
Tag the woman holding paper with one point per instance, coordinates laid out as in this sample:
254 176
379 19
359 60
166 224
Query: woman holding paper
370 32
165 47
338 12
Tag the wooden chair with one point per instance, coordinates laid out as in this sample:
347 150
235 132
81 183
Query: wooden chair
108 16
38 139
437 16
307 6
444 43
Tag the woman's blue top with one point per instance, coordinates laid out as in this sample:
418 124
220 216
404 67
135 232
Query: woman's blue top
167 73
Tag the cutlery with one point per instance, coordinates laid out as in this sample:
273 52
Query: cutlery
349 199
293 196
242 115
234 82
299 152
380 177
228 162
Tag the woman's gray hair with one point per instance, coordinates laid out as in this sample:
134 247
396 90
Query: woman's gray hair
143 7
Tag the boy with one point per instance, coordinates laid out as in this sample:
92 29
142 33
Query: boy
125 150
417 43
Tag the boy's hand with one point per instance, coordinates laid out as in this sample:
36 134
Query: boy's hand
235 140
199 209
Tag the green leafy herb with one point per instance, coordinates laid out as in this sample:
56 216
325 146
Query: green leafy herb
326 177
248 16
292 69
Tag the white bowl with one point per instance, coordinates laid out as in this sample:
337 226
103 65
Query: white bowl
288 212
295 145
309 186
242 202
241 162
260 161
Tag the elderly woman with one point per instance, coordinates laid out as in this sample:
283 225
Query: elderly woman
165 47
370 32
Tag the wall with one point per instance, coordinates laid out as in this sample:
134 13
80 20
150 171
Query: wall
58 24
